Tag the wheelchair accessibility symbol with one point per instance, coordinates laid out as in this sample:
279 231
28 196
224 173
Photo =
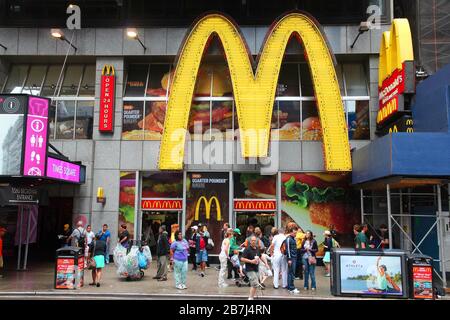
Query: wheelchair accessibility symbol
37 125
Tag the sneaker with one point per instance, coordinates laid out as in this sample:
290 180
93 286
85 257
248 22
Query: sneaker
162 279
297 278
327 275
223 285
250 298
306 288
295 291
155 277
275 287
202 274
184 287
313 289
179 287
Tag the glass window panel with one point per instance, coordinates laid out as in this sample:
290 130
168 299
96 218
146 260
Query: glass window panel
358 120
16 78
11 130
71 80
137 78
306 81
84 120
311 128
132 124
48 90
288 84
87 88
34 80
199 119
222 85
289 118
159 80
355 80
65 119
155 113
222 119
52 121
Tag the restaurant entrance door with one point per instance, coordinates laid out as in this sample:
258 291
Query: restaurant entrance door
152 220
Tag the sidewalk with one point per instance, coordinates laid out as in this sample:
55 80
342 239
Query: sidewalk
39 281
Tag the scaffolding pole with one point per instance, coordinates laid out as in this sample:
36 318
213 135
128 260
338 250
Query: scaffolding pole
388 194
362 205
440 238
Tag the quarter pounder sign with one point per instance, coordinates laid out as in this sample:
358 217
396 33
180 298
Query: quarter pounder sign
107 97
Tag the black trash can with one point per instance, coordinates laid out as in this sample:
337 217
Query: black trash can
420 270
69 268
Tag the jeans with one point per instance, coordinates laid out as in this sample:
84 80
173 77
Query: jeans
279 264
291 274
192 253
310 270
180 270
299 266
223 269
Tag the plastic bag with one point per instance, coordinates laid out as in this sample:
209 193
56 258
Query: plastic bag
142 260
147 253
119 254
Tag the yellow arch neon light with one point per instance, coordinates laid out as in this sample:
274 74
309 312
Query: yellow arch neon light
396 48
208 207
255 93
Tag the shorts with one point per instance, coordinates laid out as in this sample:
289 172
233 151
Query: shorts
253 278
99 262
327 257
1 261
202 256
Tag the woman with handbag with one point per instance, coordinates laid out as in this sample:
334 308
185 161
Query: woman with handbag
97 260
308 252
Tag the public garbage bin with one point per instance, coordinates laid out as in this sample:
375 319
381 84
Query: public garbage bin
420 270
69 268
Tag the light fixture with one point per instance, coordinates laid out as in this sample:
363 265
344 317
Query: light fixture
101 196
58 34
132 33
363 27
4 47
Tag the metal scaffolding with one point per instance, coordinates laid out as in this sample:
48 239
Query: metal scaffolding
394 214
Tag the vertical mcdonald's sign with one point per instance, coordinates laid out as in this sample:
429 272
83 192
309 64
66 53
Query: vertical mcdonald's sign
107 97
254 91
396 71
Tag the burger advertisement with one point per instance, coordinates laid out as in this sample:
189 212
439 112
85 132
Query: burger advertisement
162 185
126 200
254 186
319 202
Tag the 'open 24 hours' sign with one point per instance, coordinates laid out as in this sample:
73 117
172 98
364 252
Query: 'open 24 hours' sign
107 92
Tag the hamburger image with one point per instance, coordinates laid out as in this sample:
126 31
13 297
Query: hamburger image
310 128
163 186
258 187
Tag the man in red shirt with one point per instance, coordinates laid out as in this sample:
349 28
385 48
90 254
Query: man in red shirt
2 233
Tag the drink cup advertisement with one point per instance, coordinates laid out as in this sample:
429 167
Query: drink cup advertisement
371 275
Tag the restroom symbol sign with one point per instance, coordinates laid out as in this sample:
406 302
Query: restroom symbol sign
37 125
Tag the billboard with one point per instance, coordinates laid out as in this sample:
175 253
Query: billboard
254 92
371 275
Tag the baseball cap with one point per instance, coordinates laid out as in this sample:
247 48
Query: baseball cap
194 227
327 233
237 231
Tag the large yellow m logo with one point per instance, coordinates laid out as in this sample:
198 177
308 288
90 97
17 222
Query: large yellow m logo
207 207
255 93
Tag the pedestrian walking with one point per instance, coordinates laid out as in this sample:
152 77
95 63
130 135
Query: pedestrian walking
291 255
193 247
360 238
299 237
78 236
251 259
200 245
162 252
105 235
223 258
309 250
233 247
279 262
209 244
124 236
327 245
2 234
264 269
180 251
90 236
97 250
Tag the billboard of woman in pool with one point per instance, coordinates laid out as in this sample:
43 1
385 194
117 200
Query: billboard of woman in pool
369 275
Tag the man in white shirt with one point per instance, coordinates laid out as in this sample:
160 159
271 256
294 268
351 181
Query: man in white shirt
279 262
90 235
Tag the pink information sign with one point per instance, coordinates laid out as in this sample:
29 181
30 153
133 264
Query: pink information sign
36 137
62 170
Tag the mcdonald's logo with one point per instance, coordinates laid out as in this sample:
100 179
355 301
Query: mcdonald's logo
396 49
254 92
108 70
208 204
162 204
255 205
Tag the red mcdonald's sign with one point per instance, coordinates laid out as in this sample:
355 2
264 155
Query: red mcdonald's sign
162 204
255 205
107 91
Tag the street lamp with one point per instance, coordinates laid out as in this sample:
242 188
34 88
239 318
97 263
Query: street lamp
58 34
363 27
132 33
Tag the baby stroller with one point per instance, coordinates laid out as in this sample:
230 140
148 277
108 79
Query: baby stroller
242 281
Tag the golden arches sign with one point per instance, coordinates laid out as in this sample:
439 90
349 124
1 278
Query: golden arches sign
208 204
255 93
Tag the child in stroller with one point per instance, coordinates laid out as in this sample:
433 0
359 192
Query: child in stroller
238 269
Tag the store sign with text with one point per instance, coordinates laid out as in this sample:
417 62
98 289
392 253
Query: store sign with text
63 170
396 70
163 204
256 205
107 97
423 282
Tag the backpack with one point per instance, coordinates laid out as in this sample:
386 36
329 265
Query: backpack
283 247
82 239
